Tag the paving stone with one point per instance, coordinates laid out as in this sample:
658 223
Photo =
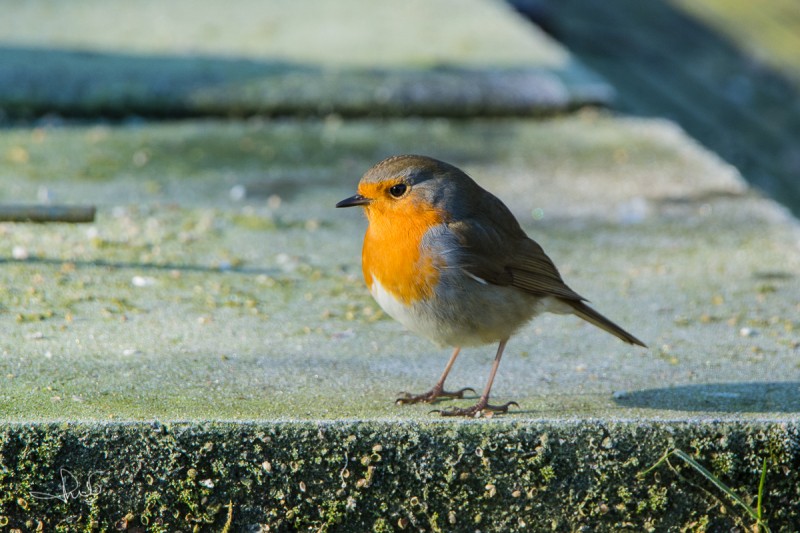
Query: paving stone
213 320
182 295
354 57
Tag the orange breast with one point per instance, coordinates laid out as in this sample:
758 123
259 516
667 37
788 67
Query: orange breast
392 254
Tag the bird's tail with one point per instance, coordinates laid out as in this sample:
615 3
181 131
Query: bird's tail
593 317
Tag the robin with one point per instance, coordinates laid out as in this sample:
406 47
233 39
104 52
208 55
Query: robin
449 261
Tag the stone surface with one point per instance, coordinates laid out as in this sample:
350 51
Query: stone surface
180 303
344 34
355 57
208 341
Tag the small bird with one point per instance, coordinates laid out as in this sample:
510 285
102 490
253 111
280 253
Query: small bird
449 261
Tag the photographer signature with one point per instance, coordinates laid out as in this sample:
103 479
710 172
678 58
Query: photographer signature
71 488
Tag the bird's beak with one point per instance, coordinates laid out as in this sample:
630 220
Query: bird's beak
354 201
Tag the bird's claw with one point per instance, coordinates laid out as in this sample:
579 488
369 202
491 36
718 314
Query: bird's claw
431 396
476 411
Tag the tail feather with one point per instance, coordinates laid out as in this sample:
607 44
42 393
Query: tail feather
593 317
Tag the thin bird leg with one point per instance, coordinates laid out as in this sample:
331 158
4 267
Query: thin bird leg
483 404
438 390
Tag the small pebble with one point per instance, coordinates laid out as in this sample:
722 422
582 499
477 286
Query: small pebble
141 281
287 262
130 351
34 335
620 395
747 332
19 253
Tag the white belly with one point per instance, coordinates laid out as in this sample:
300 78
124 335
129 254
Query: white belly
467 312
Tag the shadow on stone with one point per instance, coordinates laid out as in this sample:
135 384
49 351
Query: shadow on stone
767 397
662 62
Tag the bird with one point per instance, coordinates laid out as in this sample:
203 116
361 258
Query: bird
449 261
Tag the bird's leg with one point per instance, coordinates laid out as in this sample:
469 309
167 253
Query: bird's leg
438 390
483 404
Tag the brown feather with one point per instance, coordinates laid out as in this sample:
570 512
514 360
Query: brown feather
515 260
499 252
593 317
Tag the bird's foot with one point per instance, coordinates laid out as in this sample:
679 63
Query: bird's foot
432 395
477 410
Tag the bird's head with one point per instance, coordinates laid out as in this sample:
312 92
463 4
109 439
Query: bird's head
406 186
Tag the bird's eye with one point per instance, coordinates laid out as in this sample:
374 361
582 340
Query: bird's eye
398 190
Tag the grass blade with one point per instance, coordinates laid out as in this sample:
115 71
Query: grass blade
761 490
754 514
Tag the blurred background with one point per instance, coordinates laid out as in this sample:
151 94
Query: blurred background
727 71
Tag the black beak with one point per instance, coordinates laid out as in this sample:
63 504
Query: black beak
353 201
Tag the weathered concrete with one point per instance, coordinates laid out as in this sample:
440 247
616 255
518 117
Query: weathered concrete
185 306
660 236
460 477
353 57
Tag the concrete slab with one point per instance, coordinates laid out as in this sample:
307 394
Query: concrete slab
182 304
191 350
354 57
461 477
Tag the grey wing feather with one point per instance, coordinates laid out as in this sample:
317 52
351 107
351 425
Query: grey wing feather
533 271
499 252
511 259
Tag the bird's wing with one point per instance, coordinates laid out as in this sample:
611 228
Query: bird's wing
506 256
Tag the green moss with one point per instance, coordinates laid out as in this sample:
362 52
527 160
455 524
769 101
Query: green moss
302 475
254 222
